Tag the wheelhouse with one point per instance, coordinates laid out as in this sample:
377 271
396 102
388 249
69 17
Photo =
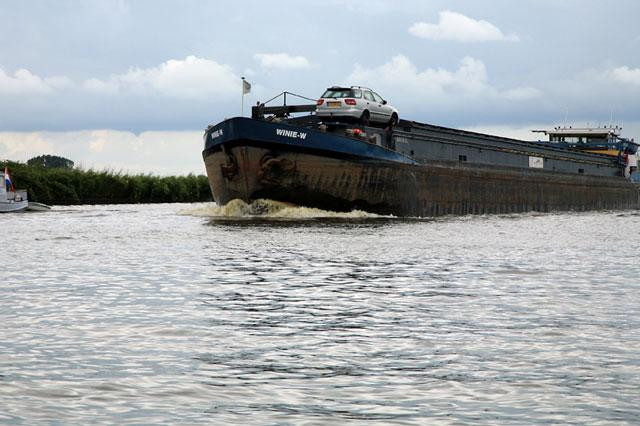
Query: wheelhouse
600 140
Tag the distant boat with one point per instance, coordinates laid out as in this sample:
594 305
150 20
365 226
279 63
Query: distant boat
12 201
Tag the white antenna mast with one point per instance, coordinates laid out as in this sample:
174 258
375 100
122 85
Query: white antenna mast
611 119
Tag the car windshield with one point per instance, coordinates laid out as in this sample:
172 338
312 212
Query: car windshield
342 93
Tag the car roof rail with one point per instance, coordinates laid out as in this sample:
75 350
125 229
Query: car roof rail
351 87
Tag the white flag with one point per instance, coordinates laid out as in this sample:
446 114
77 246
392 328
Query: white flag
246 87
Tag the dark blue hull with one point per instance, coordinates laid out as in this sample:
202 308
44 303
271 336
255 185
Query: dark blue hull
296 138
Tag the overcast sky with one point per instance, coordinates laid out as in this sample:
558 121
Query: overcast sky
129 85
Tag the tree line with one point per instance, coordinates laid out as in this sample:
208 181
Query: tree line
64 185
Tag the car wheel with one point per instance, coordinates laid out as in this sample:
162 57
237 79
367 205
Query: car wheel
364 118
394 120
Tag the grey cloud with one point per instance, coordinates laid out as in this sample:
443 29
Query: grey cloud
114 59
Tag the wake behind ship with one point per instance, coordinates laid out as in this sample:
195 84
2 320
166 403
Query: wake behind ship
415 169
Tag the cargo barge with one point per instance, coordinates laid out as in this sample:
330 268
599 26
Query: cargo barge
415 169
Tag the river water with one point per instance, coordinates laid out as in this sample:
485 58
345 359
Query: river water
186 314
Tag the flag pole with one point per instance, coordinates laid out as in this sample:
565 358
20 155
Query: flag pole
242 87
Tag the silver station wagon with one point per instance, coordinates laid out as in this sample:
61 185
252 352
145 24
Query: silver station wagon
356 103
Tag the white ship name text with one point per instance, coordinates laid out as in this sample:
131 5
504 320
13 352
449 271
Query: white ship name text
291 134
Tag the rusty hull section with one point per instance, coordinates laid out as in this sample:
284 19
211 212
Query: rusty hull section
251 172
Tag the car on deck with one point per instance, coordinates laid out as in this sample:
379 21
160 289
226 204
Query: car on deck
355 103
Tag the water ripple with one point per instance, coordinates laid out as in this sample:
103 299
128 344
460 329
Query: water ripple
145 314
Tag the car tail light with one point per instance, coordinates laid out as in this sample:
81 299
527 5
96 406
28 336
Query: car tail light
350 101
320 102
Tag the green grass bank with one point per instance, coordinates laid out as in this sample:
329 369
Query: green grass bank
66 186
